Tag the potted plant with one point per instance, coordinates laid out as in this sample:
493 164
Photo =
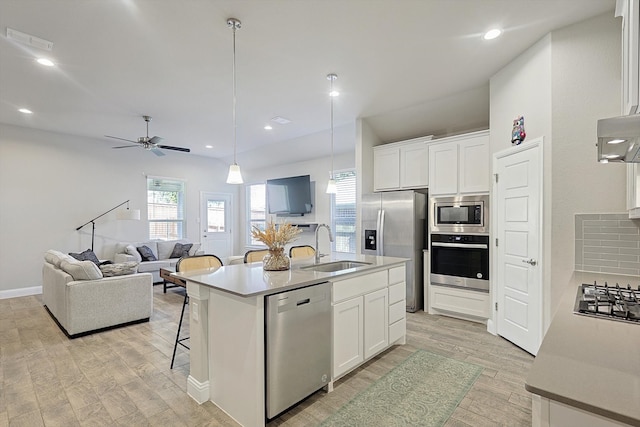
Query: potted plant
275 237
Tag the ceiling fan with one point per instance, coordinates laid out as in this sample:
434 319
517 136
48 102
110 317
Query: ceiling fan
152 144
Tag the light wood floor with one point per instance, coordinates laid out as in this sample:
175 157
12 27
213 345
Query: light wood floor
122 376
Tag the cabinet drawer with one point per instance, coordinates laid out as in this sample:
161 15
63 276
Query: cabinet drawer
397 311
397 292
460 301
397 330
397 274
348 288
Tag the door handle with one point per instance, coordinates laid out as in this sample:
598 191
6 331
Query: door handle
530 261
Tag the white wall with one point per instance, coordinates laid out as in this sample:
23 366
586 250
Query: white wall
523 87
52 183
562 85
586 87
318 169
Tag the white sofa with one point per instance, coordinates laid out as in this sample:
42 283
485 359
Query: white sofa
162 250
82 301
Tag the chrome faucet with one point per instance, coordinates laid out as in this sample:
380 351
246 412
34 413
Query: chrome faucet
318 255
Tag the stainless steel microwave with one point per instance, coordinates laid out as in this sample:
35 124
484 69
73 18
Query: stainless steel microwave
460 214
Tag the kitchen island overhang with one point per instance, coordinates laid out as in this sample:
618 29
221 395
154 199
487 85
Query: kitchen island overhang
227 326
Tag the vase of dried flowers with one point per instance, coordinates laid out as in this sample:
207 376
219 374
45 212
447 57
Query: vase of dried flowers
276 237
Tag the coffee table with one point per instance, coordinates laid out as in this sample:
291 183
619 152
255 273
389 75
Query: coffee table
165 274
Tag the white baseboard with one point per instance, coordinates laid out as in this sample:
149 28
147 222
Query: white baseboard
22 292
199 391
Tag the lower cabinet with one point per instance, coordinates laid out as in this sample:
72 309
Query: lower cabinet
348 335
376 322
550 413
365 320
459 301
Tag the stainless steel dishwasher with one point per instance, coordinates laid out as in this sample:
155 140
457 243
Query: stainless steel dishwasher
298 345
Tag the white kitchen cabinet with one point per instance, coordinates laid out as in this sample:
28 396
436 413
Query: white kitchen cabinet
401 165
551 413
368 317
348 335
633 190
376 322
629 10
469 305
443 168
386 168
459 164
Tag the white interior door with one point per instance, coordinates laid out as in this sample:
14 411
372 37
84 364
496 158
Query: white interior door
518 282
215 224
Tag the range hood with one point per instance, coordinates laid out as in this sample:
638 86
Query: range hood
619 139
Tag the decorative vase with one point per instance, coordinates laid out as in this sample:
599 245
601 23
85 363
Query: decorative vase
276 260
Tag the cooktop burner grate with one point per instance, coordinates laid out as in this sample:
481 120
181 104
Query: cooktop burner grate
609 302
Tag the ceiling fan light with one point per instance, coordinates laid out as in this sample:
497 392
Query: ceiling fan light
234 177
331 186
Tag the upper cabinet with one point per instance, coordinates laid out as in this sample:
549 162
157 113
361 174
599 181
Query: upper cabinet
459 164
629 10
401 165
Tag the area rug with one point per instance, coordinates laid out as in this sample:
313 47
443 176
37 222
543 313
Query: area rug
423 390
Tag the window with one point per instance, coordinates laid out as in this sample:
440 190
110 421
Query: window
343 212
165 205
256 211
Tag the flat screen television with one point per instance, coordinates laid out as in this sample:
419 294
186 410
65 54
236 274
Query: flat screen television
289 196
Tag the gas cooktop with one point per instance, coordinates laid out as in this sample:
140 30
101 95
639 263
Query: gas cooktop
609 302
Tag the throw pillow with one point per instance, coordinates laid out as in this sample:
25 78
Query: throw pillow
120 269
81 270
146 254
87 255
194 249
131 250
180 250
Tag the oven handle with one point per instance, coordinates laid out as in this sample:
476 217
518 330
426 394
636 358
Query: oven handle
460 245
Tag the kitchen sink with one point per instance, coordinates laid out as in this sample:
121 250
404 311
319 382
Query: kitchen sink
331 267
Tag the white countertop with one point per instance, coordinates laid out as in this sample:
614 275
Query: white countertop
590 363
250 279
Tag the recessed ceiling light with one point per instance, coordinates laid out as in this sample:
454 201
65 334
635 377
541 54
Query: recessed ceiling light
208 146
280 120
25 111
334 93
616 141
492 34
268 127
46 62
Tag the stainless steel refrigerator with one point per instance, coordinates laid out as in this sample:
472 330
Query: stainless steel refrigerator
393 224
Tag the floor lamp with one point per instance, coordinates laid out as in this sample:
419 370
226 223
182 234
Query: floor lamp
133 214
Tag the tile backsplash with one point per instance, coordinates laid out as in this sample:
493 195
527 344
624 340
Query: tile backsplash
608 243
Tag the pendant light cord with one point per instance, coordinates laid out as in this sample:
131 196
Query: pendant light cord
332 77
234 94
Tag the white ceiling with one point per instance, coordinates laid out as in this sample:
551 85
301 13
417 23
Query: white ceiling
411 67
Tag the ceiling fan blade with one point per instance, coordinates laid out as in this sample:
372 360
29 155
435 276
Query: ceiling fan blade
169 147
157 152
122 139
156 140
127 146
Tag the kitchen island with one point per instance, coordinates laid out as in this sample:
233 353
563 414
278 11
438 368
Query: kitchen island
587 371
227 324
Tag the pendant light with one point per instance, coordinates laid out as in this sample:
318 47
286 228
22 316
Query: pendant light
234 177
331 185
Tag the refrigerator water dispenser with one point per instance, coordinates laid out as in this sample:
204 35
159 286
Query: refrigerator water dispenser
370 240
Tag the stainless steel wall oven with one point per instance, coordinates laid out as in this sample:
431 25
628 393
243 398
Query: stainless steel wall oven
460 261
